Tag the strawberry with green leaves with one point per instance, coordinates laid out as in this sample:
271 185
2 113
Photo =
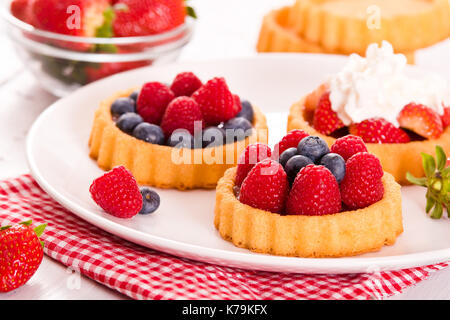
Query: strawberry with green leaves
437 181
21 253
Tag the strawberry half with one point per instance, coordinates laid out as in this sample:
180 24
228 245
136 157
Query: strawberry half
422 120
326 120
378 130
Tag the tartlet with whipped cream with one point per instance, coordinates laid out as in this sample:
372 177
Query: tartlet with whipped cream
397 113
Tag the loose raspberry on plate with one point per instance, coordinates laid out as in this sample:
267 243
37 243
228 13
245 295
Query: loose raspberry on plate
326 120
117 192
315 192
216 101
378 130
253 154
265 187
348 146
291 140
181 113
362 184
185 84
153 100
421 120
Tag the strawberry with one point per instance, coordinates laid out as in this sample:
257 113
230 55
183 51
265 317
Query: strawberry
422 120
107 69
216 101
378 130
326 120
446 117
315 192
291 140
21 253
347 146
21 9
185 84
265 187
362 185
253 154
147 17
181 113
117 192
153 100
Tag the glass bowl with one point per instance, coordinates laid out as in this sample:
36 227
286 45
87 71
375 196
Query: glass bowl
63 63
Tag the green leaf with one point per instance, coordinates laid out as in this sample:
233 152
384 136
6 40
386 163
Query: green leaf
191 12
441 158
106 31
40 229
418 181
429 165
27 223
437 211
430 204
42 244
4 228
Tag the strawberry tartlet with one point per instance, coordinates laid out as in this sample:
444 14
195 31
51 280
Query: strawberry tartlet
182 136
307 200
397 115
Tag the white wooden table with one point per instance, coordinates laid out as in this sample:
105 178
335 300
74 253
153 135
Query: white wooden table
225 28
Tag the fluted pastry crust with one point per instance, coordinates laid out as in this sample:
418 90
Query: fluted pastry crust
153 164
396 158
276 36
343 234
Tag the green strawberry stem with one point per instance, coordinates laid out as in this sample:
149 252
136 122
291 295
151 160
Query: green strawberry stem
39 230
437 181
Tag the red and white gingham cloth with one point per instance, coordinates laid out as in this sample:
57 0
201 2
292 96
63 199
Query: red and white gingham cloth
142 273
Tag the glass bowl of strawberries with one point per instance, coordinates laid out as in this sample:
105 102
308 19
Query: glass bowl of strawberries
69 43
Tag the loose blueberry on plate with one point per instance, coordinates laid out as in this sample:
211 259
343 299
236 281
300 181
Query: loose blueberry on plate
150 200
122 105
237 129
128 121
213 137
286 155
246 111
134 96
149 133
335 163
295 164
313 147
181 138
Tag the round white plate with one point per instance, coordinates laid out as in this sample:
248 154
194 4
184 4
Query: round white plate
57 151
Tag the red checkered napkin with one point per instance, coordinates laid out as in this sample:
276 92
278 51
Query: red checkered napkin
142 273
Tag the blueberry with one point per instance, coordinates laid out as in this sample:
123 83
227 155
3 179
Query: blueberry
294 165
213 137
335 163
237 129
128 121
134 96
181 138
313 148
247 111
150 200
286 155
149 133
122 105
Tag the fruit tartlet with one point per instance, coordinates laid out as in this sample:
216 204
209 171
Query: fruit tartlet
397 114
184 136
308 201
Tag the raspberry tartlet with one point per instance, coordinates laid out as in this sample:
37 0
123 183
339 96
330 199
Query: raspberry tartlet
184 136
397 115
309 203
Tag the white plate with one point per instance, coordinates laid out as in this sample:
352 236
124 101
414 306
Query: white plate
57 152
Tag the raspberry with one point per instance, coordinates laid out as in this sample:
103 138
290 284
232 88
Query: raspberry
253 154
348 146
117 192
185 84
237 104
266 187
326 120
181 113
362 184
291 140
315 192
153 100
446 117
378 130
216 101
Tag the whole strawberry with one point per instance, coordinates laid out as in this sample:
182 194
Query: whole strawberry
216 101
422 120
153 100
291 140
315 192
21 253
326 120
253 154
265 187
378 130
182 113
117 192
348 145
185 84
362 184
